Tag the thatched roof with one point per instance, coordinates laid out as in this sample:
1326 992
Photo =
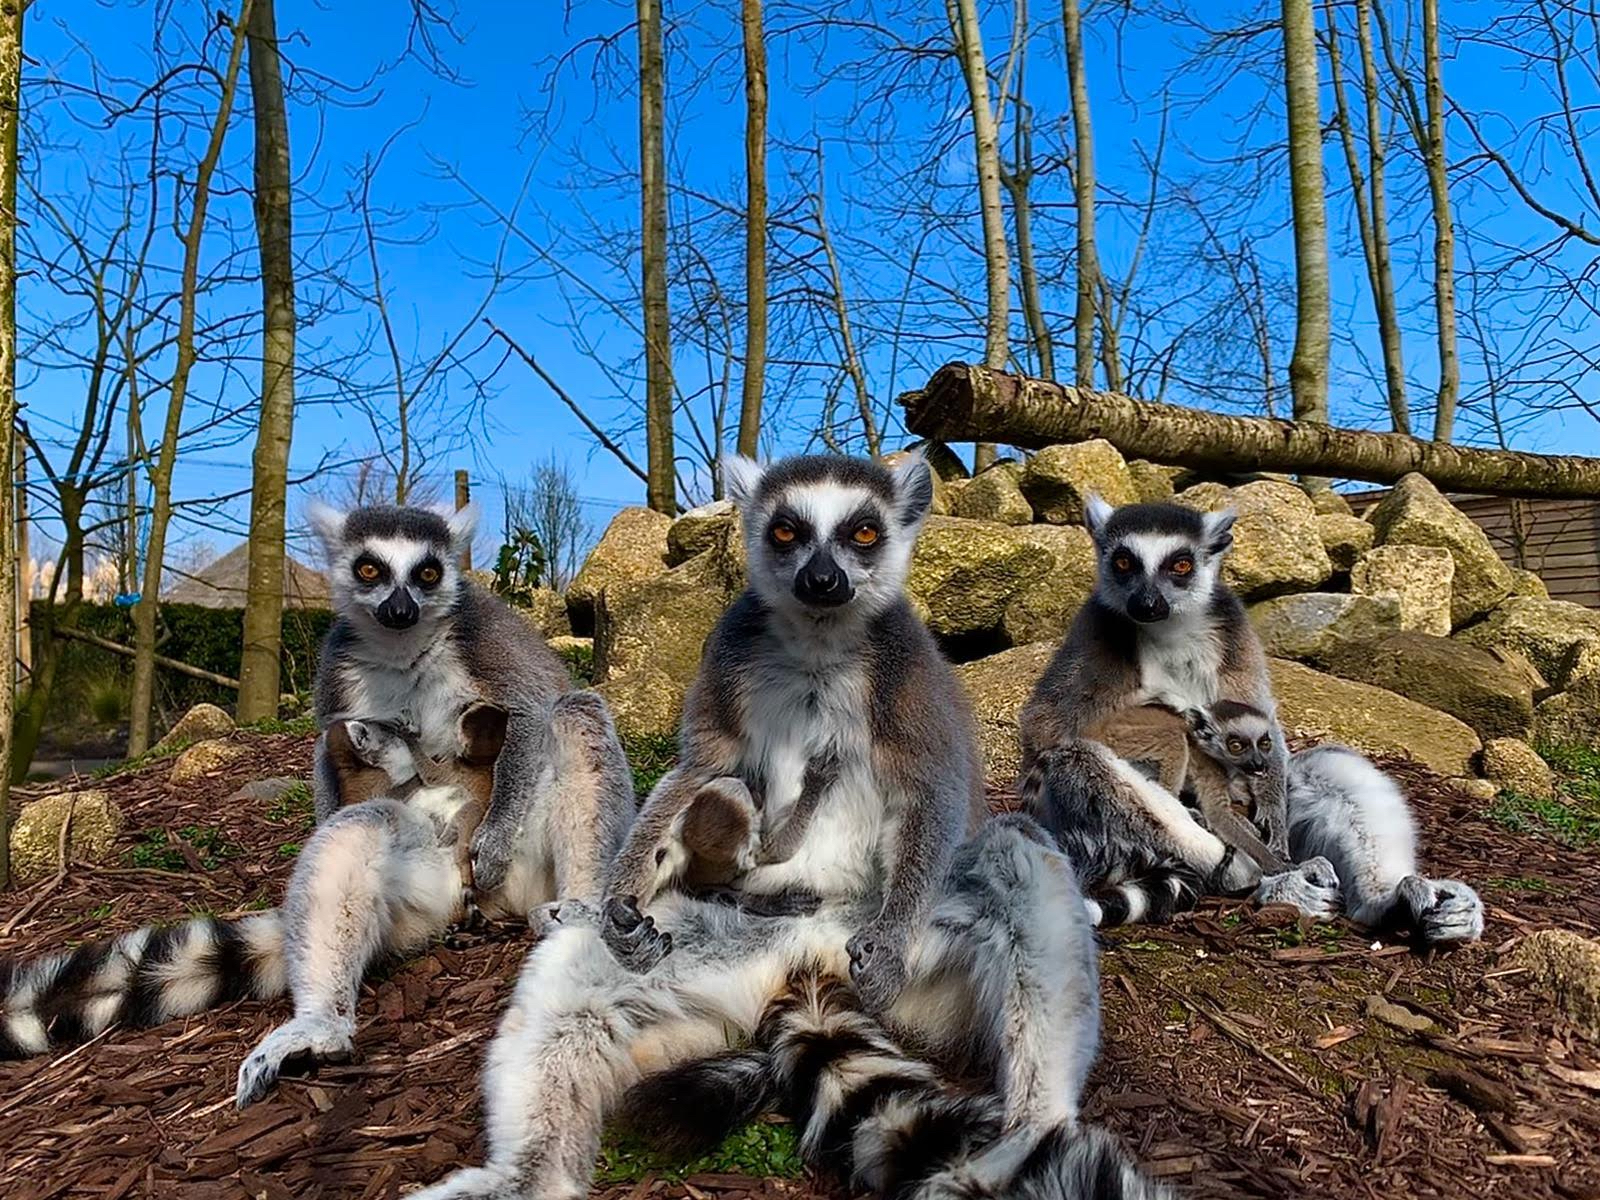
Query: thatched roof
223 583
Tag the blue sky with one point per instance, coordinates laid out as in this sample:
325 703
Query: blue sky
564 137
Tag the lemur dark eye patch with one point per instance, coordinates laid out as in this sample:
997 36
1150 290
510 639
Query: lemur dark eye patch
427 573
368 569
863 528
785 529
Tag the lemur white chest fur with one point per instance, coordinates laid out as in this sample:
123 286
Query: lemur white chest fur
427 692
794 713
1179 664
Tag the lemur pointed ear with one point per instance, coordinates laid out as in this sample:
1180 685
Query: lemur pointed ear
463 523
741 478
1096 512
913 485
1219 529
327 523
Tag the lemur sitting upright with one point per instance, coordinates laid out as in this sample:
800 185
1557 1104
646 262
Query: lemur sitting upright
980 954
1346 812
1159 628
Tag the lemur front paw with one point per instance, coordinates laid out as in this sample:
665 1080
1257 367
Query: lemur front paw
877 968
1454 916
491 858
1311 886
291 1049
632 937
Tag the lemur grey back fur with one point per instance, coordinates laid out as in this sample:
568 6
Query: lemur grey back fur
414 642
980 952
1159 628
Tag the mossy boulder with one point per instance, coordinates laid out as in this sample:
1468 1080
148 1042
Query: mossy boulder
1058 478
645 704
1277 547
199 723
1414 513
632 549
1420 577
965 573
1330 503
546 611
1567 719
1045 607
1312 626
1514 766
698 530
659 624
210 757
1550 633
1470 684
36 833
994 495
1526 583
998 686
1344 537
1153 482
1370 719
1566 967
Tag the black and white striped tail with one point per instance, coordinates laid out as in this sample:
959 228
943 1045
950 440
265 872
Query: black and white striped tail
138 979
1154 897
886 1119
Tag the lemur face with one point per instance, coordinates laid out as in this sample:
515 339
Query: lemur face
1238 735
829 535
1157 560
394 567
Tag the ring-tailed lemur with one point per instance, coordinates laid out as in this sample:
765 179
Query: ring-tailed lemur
155 974
413 643
1160 627
982 955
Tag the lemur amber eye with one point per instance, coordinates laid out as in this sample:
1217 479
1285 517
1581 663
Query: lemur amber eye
1182 566
1123 562
367 571
865 535
1265 743
429 575
1235 746
782 534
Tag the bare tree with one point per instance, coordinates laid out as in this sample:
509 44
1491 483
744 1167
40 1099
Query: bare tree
755 228
1089 281
963 15
144 613
1444 233
1018 180
10 115
263 606
549 506
1308 369
661 493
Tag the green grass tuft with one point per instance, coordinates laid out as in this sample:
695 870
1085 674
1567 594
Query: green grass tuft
156 851
293 806
580 663
650 758
297 725
761 1149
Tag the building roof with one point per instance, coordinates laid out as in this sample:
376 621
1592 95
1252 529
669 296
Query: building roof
223 583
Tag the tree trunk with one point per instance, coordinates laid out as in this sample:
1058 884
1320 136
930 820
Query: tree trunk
1372 218
145 612
1018 181
1083 184
263 605
965 401
1444 233
963 16
1308 369
661 491
755 227
10 116
841 310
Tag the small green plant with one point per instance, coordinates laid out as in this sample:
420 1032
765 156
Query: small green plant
293 806
296 725
579 657
289 850
108 699
155 849
519 567
101 911
761 1149
650 758
1572 824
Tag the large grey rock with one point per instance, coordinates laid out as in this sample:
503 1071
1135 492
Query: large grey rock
998 686
1464 681
36 833
1566 966
994 495
698 530
1058 478
1550 633
199 723
1154 482
632 549
1344 537
1420 577
659 624
1044 607
1414 513
547 612
1567 719
1328 502
1370 719
964 573
210 757
1312 626
1277 547
1514 766
645 704
1526 583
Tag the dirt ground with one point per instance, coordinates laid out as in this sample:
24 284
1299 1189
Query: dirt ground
1245 1055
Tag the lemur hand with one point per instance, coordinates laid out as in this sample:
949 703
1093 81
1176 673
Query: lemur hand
491 858
877 966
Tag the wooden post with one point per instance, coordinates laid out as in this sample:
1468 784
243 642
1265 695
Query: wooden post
464 498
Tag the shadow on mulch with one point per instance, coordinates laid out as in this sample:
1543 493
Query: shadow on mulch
1245 1054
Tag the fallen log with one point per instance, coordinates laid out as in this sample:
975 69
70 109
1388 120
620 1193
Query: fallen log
171 664
964 402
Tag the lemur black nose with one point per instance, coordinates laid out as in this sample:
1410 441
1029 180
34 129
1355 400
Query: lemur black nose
398 610
1148 606
821 583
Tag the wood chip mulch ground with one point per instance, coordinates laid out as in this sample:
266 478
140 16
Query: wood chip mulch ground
1245 1053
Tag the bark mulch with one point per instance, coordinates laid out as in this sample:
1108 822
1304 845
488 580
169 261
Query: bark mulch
1245 1053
